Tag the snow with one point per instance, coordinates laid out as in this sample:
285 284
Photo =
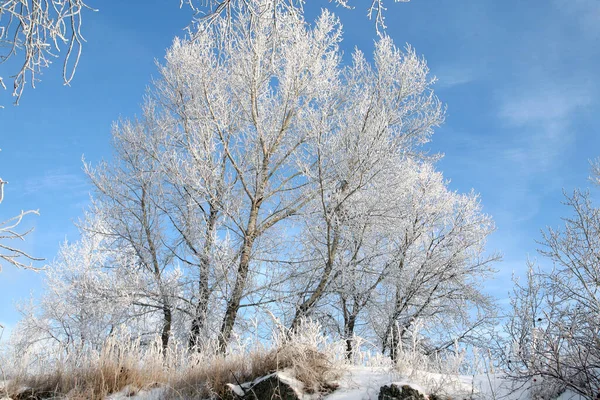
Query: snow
364 383
236 389
284 376
132 393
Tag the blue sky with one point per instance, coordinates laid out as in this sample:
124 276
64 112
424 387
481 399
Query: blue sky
520 80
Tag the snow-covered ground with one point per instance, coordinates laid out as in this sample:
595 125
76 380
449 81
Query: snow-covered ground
358 383
128 393
364 383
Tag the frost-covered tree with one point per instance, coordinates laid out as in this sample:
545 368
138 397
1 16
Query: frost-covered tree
256 89
408 250
127 192
288 127
553 330
440 267
9 252
267 176
97 288
79 308
9 234
195 201
383 114
33 32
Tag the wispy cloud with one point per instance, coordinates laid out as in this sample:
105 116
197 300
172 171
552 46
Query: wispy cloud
454 75
543 107
55 181
544 119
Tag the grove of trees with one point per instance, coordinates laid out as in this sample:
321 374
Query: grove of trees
264 177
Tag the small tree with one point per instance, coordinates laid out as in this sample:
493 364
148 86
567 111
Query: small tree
80 307
554 327
127 194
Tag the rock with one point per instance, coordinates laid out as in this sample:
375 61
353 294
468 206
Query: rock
395 392
268 388
31 394
232 392
435 397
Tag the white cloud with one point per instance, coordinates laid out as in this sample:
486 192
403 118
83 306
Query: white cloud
56 180
549 108
450 76
543 120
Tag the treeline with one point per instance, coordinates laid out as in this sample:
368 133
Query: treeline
264 176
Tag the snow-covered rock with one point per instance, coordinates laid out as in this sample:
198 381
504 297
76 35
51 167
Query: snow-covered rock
279 385
395 392
361 383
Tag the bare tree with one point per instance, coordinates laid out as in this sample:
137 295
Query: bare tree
553 330
34 31
385 112
375 10
9 233
127 192
38 29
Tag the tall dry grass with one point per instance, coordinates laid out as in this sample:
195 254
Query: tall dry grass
124 364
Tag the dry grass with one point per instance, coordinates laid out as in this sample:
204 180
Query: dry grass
124 364
89 374
304 356
206 375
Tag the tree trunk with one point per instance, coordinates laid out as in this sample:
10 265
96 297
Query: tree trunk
394 342
304 308
199 321
167 315
233 304
349 323
166 331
